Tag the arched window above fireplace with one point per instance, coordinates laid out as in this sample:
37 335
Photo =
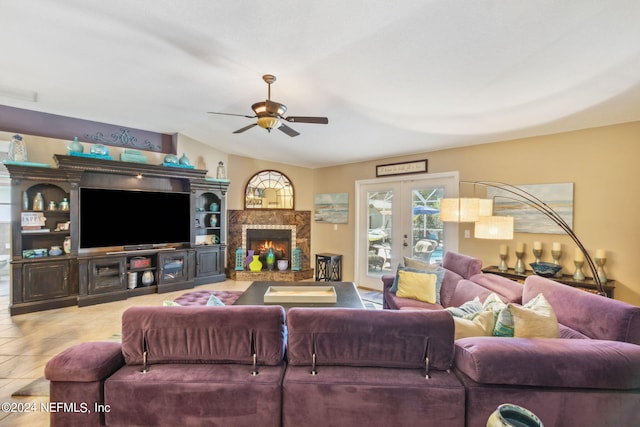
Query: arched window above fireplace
269 189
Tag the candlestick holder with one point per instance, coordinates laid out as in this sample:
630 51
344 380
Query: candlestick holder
578 275
519 268
556 260
503 263
600 262
537 253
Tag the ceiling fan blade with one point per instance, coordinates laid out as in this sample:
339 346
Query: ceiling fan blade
289 131
245 128
302 119
231 114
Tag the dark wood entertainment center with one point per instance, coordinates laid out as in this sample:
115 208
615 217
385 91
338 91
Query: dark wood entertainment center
42 280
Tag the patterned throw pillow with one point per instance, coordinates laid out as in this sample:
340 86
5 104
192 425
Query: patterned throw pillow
466 309
170 304
214 301
481 325
536 319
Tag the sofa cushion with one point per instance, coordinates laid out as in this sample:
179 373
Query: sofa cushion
420 286
549 362
509 290
592 315
203 334
356 337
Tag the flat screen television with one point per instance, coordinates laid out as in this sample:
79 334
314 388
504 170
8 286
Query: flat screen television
133 219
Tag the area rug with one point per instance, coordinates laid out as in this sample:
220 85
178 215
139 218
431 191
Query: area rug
38 387
372 299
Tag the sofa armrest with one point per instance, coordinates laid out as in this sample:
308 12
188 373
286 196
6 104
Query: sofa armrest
549 362
86 362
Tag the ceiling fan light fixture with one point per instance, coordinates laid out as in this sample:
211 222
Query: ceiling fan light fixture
269 123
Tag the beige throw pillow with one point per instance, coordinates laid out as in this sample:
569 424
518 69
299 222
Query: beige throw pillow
536 319
481 325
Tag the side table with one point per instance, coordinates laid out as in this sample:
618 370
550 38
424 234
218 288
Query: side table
328 267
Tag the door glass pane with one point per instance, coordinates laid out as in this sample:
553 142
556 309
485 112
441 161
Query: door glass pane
426 231
379 217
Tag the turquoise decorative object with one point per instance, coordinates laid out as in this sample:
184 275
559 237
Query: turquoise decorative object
271 259
75 146
545 269
184 160
171 159
99 150
296 260
213 207
239 259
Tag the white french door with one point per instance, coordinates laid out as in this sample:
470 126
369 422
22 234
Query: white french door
398 217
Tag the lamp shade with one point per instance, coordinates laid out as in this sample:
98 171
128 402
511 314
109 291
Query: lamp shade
465 209
494 227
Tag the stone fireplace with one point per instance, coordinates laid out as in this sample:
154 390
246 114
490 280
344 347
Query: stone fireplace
282 229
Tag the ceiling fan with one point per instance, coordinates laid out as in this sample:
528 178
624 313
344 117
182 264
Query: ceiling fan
270 114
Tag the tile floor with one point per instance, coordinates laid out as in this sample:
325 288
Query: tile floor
28 341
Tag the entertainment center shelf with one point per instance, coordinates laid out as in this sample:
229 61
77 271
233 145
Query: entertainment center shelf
58 256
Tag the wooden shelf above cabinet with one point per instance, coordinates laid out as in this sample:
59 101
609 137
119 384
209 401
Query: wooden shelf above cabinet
125 168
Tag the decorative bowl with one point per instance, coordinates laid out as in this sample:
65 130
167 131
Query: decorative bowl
545 269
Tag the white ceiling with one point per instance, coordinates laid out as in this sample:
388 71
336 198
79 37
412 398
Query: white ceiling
393 77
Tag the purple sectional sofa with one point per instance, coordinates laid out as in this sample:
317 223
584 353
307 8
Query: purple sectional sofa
251 366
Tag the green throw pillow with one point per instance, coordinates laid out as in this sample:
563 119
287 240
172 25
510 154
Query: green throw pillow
214 301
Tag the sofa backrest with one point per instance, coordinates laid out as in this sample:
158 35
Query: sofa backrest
463 265
229 334
380 338
595 316
507 289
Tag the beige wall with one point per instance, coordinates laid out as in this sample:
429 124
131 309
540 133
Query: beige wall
602 163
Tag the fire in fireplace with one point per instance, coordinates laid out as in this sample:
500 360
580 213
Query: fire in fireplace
260 240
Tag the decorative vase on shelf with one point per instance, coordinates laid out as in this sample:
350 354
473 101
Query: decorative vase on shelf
213 220
213 207
220 172
55 251
66 245
25 201
184 160
64 204
255 265
249 258
75 146
147 278
38 202
271 259
17 150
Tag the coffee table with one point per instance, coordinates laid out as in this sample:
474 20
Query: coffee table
346 292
